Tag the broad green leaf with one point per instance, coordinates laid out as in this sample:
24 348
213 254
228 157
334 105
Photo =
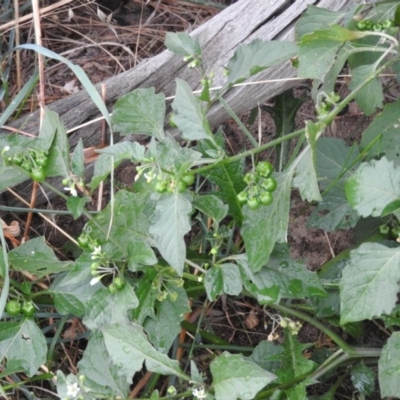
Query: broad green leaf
48 128
221 279
316 18
130 215
36 257
389 367
182 44
147 293
368 287
105 308
169 224
363 379
189 117
236 377
334 159
125 151
384 10
23 345
11 177
306 176
294 365
318 50
267 355
382 135
129 347
110 158
333 212
264 292
140 253
140 112
374 186
76 205
292 278
163 329
72 291
370 97
58 157
250 59
78 159
266 226
211 206
229 178
101 376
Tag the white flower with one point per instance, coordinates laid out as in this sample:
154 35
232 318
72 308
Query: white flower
95 280
72 390
199 393
96 253
72 190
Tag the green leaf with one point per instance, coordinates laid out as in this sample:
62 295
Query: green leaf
130 215
163 329
147 294
382 135
128 348
211 206
140 112
11 177
363 379
250 59
101 376
389 367
333 212
140 253
316 18
189 114
73 290
37 258
267 355
264 227
78 159
318 50
169 224
110 158
76 205
368 287
370 97
229 179
105 308
306 177
236 377
224 278
294 365
373 186
48 129
58 157
23 345
292 278
182 44
334 158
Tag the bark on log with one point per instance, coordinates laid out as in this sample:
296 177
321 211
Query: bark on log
240 23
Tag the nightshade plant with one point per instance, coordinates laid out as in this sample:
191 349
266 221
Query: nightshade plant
198 223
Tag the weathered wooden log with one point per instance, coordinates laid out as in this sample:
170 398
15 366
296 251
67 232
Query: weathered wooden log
240 23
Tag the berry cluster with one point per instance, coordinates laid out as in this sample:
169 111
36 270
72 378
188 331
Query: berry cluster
32 161
26 308
368 25
260 186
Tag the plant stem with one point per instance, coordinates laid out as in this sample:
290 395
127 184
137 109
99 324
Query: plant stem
339 341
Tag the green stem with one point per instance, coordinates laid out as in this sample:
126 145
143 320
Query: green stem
339 341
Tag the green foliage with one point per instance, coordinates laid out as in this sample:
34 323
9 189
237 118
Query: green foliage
198 224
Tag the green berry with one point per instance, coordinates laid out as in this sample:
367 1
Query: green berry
160 187
119 283
28 309
253 203
269 184
112 288
266 198
13 308
214 251
188 179
83 241
38 175
181 187
264 169
249 177
242 197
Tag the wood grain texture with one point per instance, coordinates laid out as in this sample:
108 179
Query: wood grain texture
240 23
